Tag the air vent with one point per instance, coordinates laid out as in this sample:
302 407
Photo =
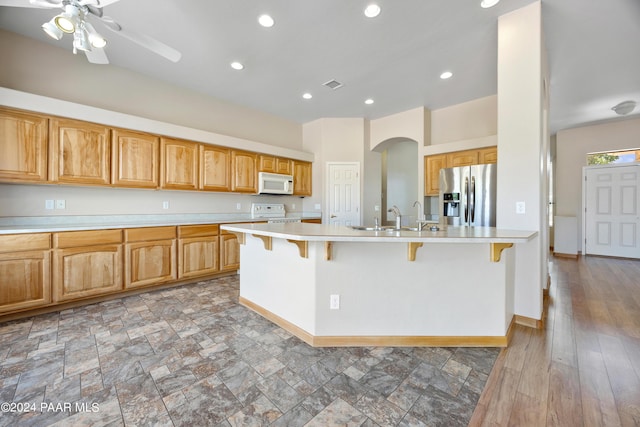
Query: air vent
333 84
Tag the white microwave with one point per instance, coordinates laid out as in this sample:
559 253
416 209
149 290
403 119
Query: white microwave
274 183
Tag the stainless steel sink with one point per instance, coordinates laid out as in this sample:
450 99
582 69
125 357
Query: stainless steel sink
364 228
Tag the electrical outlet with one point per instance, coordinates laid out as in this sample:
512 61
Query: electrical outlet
520 208
238 206
61 204
293 206
317 206
334 302
48 204
165 204
376 208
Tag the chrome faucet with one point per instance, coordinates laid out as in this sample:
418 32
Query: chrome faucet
421 221
396 212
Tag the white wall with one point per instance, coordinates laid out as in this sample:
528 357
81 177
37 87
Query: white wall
36 67
401 179
521 148
413 124
473 120
572 146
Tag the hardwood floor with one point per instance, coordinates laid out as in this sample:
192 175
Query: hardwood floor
583 368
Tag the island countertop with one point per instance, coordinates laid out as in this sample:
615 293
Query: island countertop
334 233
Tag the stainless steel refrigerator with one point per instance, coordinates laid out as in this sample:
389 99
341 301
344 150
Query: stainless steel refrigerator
468 195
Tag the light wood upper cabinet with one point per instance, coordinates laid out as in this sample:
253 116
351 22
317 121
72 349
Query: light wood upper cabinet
229 251
179 164
215 168
25 280
301 178
197 250
150 256
284 166
135 159
275 164
86 263
23 146
266 163
462 158
488 155
432 166
245 177
79 152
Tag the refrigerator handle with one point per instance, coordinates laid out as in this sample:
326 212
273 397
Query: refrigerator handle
473 199
466 199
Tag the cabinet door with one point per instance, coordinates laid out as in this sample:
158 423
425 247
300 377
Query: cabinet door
229 251
24 280
462 158
135 159
197 256
301 178
267 163
488 155
179 164
149 263
79 152
244 176
215 168
284 166
432 166
23 146
86 271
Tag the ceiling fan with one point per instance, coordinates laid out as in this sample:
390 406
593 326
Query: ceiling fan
75 20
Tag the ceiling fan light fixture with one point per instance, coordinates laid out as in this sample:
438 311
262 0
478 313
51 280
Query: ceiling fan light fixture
67 21
95 39
624 108
488 3
52 30
81 41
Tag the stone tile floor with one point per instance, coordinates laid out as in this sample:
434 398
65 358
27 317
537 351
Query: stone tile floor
192 356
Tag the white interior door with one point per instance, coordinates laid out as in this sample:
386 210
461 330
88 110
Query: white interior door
612 211
344 193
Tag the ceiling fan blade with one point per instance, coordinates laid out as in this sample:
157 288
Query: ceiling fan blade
44 4
97 3
143 40
97 56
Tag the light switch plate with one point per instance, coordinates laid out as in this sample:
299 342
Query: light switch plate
165 204
48 204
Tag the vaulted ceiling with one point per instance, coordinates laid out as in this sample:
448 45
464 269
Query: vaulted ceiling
394 59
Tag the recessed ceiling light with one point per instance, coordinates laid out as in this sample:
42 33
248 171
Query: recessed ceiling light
446 75
307 95
237 66
368 101
372 11
488 3
266 21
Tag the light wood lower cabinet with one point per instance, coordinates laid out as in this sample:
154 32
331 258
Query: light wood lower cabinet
197 250
24 271
150 256
229 251
86 263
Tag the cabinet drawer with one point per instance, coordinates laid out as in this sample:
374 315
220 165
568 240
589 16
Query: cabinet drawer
150 233
25 242
74 239
197 230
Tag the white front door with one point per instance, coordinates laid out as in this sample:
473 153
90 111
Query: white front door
344 193
612 211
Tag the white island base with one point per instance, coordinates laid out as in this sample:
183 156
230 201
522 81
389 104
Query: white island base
451 294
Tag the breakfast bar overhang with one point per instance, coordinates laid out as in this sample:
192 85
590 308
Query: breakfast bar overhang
337 286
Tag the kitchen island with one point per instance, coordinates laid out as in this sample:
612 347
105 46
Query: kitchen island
338 286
